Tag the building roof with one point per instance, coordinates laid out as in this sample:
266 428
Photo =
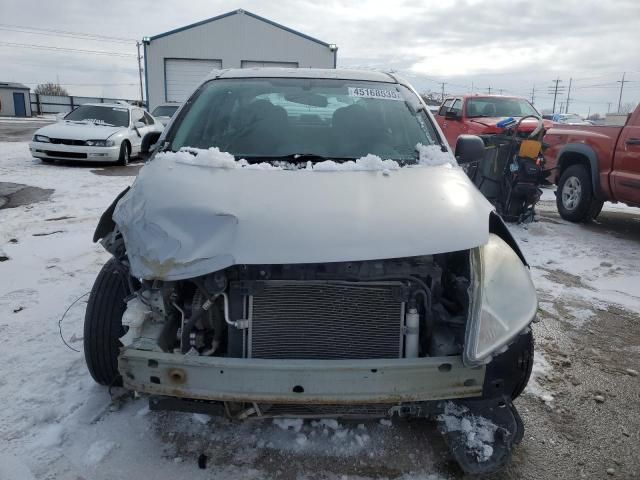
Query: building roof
273 72
16 86
238 12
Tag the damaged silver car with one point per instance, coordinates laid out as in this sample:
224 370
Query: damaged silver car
302 243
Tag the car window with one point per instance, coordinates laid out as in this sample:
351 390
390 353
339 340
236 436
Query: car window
165 110
445 106
148 119
275 117
100 115
137 115
457 106
499 107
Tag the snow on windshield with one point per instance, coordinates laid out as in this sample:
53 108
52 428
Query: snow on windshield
428 155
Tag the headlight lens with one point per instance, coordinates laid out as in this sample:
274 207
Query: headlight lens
41 138
99 143
503 303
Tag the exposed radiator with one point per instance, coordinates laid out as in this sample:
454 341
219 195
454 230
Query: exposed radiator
326 320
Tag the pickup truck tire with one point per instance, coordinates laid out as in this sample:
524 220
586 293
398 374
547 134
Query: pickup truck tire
574 198
103 323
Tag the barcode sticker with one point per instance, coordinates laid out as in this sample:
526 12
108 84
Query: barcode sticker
380 93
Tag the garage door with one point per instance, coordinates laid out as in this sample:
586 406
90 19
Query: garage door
182 76
252 64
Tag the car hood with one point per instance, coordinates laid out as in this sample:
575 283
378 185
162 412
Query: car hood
78 131
180 221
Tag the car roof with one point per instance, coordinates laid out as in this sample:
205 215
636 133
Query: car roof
338 73
121 105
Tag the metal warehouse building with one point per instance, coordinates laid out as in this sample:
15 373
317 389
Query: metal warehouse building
177 61
14 100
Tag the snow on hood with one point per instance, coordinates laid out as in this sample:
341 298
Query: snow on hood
429 155
78 131
181 219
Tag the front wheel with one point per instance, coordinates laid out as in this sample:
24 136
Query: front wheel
103 322
125 154
574 197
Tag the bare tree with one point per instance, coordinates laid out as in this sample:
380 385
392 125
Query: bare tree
50 88
594 116
627 107
431 98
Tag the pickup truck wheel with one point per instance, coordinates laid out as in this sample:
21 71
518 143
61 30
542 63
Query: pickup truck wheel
103 323
574 197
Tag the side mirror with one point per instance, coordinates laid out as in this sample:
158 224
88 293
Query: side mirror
60 116
139 125
469 148
452 115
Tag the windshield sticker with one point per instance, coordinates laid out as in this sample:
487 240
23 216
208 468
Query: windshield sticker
117 109
375 93
97 121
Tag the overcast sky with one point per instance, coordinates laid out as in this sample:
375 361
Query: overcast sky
510 46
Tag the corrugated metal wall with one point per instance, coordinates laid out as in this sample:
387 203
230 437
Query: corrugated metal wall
231 39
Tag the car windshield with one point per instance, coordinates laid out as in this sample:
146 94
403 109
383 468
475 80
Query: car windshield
282 117
165 111
499 107
112 116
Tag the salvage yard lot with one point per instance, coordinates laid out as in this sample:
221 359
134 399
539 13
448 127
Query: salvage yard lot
581 410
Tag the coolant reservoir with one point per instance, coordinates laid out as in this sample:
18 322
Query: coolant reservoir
134 317
412 333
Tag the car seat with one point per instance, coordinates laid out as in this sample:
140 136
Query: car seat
262 130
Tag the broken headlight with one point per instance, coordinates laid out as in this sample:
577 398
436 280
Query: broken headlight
503 301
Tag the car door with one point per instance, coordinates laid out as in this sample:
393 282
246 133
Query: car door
626 167
137 115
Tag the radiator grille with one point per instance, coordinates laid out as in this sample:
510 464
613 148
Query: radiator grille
326 320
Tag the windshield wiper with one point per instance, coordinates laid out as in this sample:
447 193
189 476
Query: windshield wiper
294 157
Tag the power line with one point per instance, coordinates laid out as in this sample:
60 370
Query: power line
65 49
65 33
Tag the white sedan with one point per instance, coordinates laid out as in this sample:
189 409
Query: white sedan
100 132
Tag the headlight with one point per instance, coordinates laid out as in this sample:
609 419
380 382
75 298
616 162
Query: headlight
99 143
503 301
40 138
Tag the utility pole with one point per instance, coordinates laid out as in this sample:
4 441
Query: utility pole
554 90
443 84
561 106
500 91
608 107
140 71
621 82
568 93
489 90
472 86
589 113
533 93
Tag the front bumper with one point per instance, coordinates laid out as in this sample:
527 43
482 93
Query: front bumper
299 381
73 152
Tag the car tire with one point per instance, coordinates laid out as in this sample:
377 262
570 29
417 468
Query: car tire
508 373
103 323
574 198
125 154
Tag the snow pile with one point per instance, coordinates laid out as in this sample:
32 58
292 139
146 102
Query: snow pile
478 431
432 155
212 157
541 368
369 163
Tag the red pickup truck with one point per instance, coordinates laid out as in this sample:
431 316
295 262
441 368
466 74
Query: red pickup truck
479 115
594 164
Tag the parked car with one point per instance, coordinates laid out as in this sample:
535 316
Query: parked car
304 244
101 132
594 164
570 119
164 112
480 115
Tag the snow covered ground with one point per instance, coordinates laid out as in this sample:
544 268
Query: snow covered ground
55 423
